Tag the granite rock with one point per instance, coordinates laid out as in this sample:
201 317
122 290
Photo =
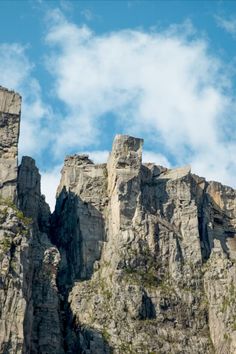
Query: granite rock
10 108
151 290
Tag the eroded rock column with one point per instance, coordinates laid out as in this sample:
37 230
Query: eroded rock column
124 166
10 108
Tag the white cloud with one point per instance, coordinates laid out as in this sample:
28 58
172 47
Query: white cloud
49 182
162 86
158 159
165 87
98 156
87 14
16 73
229 25
14 65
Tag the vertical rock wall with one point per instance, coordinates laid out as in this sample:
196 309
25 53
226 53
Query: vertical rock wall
42 325
15 284
154 288
78 223
30 319
10 108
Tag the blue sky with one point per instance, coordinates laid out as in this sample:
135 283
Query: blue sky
87 70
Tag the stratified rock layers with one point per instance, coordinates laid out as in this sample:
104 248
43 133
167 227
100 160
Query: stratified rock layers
136 258
10 108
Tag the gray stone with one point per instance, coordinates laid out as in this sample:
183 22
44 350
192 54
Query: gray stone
10 105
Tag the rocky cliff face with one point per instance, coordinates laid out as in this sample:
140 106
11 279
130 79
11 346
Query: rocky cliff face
10 107
136 258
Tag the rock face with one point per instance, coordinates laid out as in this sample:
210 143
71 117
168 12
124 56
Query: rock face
153 285
42 326
29 298
146 293
136 258
10 108
15 233
78 223
30 200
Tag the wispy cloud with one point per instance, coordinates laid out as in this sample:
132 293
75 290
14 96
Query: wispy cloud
37 117
157 158
87 14
229 25
164 86
98 156
16 72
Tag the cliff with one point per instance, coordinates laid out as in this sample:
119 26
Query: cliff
136 258
10 107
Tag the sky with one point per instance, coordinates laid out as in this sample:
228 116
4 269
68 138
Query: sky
88 70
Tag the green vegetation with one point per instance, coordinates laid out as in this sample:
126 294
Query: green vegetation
148 277
234 326
19 214
126 349
106 292
5 244
146 273
14 265
226 336
232 292
142 276
225 304
22 229
204 305
165 285
4 212
230 299
105 173
106 336
3 215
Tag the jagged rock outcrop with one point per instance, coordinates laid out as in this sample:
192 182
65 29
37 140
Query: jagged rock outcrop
42 327
15 233
151 290
136 258
29 298
78 224
10 108
30 199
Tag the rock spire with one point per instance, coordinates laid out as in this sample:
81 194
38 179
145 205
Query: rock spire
10 110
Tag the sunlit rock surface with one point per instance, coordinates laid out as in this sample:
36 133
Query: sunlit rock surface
10 109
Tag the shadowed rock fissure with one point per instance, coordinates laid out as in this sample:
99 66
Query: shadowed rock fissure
67 235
